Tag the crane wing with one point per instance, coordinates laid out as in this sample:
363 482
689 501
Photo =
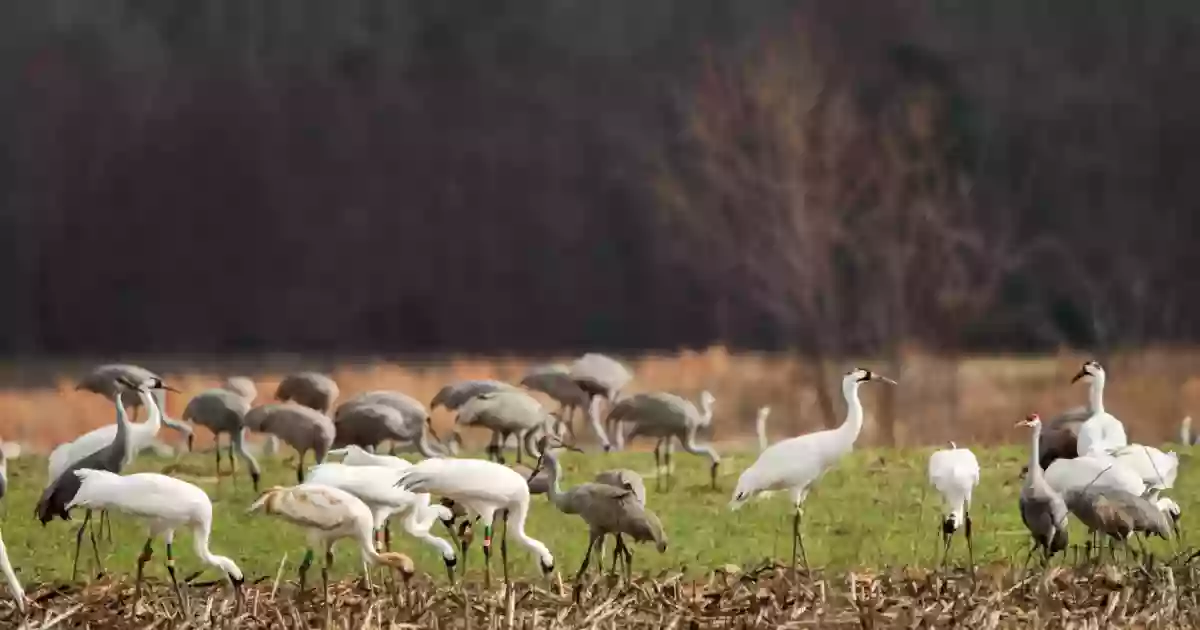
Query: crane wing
146 495
373 484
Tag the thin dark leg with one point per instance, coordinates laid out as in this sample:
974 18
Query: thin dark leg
171 572
504 549
232 463
487 556
800 539
300 467
304 565
520 447
615 558
95 549
79 543
946 538
143 558
462 545
657 466
325 573
970 546
667 456
587 557
795 538
628 558
105 526
217 450
387 535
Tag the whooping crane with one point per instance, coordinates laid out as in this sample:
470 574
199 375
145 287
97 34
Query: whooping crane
1102 432
954 472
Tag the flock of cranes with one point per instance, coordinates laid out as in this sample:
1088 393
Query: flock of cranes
1113 487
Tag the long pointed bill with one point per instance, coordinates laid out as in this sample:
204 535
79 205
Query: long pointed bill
1081 374
885 379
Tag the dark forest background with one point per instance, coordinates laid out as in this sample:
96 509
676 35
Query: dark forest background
541 175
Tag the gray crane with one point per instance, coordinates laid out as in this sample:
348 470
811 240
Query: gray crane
242 386
222 410
664 415
1117 513
506 413
303 428
416 420
311 389
367 424
1060 435
60 491
456 394
107 380
629 480
600 376
555 381
607 510
1042 509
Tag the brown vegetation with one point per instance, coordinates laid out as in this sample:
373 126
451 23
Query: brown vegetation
971 399
763 597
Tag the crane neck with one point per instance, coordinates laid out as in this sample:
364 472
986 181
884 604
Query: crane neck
554 492
153 413
1035 458
854 410
706 410
1096 393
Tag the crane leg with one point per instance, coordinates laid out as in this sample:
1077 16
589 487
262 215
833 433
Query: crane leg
463 543
232 464
171 572
667 456
504 548
798 541
95 549
520 445
587 557
79 543
325 572
387 535
657 466
304 565
615 558
628 558
143 558
217 450
970 547
487 557
946 538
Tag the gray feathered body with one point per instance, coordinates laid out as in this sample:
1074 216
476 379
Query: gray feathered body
104 380
600 375
555 381
455 395
657 414
242 386
300 426
367 424
410 407
218 409
624 478
1044 513
512 411
1117 513
311 389
56 496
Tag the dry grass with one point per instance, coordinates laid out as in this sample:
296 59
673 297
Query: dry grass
1163 597
968 399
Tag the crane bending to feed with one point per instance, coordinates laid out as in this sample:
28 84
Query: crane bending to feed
666 416
794 464
954 472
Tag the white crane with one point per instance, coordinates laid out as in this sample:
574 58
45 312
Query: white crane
1101 433
354 455
375 486
166 504
1156 468
7 450
954 472
1185 432
141 436
760 427
794 464
327 515
483 488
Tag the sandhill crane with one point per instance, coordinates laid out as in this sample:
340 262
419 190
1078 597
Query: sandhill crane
375 486
61 489
456 394
417 417
1042 508
707 405
624 478
327 515
301 427
607 510
1117 513
555 381
954 472
600 376
311 389
106 380
167 504
368 420
483 488
140 436
663 415
794 464
506 413
760 427
1101 432
7 450
242 386
224 411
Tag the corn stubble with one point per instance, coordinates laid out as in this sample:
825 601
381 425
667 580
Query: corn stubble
766 597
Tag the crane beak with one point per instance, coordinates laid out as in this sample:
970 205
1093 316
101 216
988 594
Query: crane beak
1023 423
878 377
169 388
1079 375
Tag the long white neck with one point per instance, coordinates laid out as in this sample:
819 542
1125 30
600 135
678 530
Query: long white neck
519 514
200 537
122 438
1035 458
1096 393
11 577
706 410
153 414
594 420
854 411
760 427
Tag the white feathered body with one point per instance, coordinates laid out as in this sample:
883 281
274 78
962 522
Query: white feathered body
1100 472
141 436
1101 433
954 473
355 455
164 502
1156 468
792 464
481 486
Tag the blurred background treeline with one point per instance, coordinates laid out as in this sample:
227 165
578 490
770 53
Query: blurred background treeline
532 176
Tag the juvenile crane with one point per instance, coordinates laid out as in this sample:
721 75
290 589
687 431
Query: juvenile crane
375 486
954 472
484 488
310 389
1042 509
607 510
58 494
327 515
794 464
223 410
167 504
663 415
304 428
1102 433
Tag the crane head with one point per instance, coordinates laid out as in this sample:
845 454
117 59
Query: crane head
863 375
950 524
1089 370
1032 420
707 399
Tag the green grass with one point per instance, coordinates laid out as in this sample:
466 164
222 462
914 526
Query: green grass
867 512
